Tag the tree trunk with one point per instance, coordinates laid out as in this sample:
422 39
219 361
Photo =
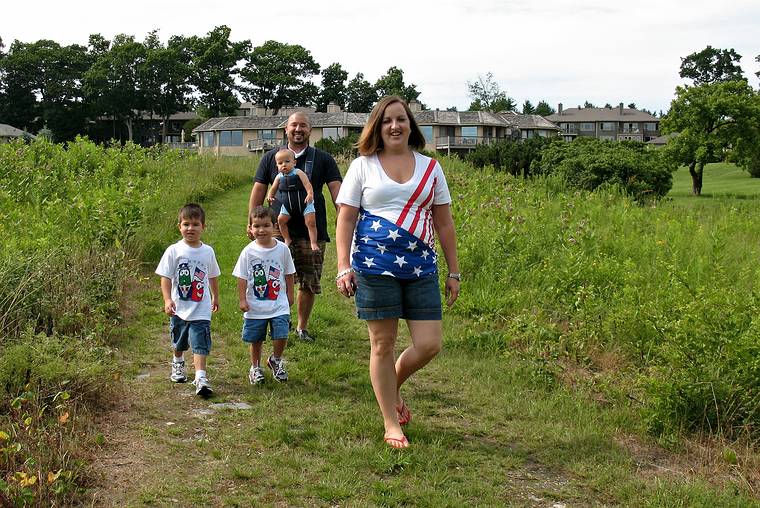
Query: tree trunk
165 129
696 171
128 121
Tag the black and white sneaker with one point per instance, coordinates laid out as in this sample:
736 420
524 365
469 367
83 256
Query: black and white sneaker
256 375
178 372
203 387
278 369
304 336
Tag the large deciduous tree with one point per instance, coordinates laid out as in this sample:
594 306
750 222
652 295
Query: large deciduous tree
280 75
713 120
214 66
43 86
165 78
333 87
543 109
361 96
392 83
711 65
487 95
113 83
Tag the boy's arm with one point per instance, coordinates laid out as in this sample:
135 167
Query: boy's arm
273 189
242 286
306 185
289 284
166 292
214 282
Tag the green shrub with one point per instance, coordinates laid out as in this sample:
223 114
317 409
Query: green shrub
517 157
343 149
589 163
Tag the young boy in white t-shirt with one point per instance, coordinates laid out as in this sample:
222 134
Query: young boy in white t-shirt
265 287
188 269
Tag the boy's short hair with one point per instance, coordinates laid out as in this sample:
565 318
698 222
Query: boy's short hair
192 211
261 212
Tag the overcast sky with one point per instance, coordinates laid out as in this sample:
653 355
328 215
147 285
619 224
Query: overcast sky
556 50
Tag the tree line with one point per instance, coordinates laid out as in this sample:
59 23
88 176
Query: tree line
44 84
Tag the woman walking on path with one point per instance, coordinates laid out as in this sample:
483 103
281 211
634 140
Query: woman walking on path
396 200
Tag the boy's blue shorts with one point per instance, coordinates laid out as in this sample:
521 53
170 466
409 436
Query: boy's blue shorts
187 334
306 211
255 330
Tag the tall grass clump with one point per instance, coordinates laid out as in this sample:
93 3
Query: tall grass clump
658 304
74 219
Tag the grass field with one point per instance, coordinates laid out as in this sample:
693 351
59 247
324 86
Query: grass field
720 179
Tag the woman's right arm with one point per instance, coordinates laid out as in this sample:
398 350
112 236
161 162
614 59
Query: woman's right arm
344 230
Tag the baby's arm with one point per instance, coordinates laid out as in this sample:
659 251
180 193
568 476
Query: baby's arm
166 292
273 189
242 288
306 185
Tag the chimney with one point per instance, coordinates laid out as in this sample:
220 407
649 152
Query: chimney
332 107
559 108
415 106
620 108
259 110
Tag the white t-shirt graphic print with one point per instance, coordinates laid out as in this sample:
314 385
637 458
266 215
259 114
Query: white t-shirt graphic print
189 269
265 269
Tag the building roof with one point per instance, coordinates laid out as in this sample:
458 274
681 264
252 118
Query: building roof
662 140
436 117
528 121
601 115
8 131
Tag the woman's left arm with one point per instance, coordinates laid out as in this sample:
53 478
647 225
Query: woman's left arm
443 223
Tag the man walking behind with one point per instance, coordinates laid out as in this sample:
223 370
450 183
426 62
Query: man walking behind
321 169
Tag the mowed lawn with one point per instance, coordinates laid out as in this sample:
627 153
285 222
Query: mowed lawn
720 179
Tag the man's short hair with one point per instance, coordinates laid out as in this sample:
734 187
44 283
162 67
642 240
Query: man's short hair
261 212
192 211
300 113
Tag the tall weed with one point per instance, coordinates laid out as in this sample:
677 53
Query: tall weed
668 291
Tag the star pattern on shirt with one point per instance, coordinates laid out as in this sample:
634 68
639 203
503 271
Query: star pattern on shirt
381 247
424 254
412 246
375 225
417 270
369 262
393 234
365 239
400 261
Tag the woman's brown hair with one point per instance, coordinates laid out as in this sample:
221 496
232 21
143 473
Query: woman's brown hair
371 140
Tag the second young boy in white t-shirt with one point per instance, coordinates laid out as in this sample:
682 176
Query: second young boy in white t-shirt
265 287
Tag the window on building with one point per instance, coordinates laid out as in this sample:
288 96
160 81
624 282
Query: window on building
427 131
650 126
587 127
208 139
331 133
470 132
607 138
230 138
268 134
607 126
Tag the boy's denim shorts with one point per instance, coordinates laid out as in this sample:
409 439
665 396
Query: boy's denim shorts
384 297
255 330
190 334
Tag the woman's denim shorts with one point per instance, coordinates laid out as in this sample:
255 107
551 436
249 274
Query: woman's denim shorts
385 297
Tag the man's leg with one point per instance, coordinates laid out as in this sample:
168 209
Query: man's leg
305 301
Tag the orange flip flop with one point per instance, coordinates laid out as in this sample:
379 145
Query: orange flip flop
404 415
397 443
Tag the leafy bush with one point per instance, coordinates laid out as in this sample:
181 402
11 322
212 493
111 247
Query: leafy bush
513 156
343 149
589 163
